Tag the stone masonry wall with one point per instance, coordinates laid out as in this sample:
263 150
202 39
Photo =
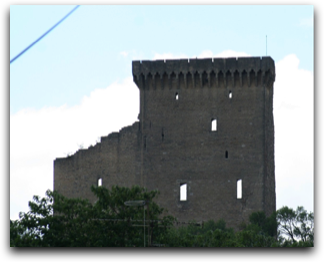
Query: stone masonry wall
173 143
115 160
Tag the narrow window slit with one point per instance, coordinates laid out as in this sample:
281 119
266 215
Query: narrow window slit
230 94
176 96
99 182
226 154
162 135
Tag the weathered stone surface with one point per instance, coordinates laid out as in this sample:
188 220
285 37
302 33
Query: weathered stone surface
173 143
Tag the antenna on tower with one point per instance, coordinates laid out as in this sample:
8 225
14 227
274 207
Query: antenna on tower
266 45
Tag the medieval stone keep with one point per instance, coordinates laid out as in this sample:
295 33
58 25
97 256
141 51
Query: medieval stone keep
204 139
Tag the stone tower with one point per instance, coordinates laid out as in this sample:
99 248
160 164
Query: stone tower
205 125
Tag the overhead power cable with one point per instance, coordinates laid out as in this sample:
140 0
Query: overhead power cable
44 34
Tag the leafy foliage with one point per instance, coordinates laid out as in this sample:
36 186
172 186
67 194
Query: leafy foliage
57 221
296 225
260 232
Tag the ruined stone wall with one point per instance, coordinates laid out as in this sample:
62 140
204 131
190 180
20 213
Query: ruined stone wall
173 143
115 160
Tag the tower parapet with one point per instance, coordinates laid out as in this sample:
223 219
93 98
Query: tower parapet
204 72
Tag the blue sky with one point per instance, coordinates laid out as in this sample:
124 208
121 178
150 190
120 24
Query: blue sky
75 84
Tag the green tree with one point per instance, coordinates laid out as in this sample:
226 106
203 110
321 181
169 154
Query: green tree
296 225
209 234
127 231
266 225
18 234
57 221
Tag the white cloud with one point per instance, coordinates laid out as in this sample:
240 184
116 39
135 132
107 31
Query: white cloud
294 83
168 56
37 137
124 53
224 54
203 54
294 134
307 22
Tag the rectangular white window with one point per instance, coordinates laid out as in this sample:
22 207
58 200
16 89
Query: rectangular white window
100 182
214 125
239 189
183 192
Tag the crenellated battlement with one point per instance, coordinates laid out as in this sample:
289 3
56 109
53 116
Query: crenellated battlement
209 72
